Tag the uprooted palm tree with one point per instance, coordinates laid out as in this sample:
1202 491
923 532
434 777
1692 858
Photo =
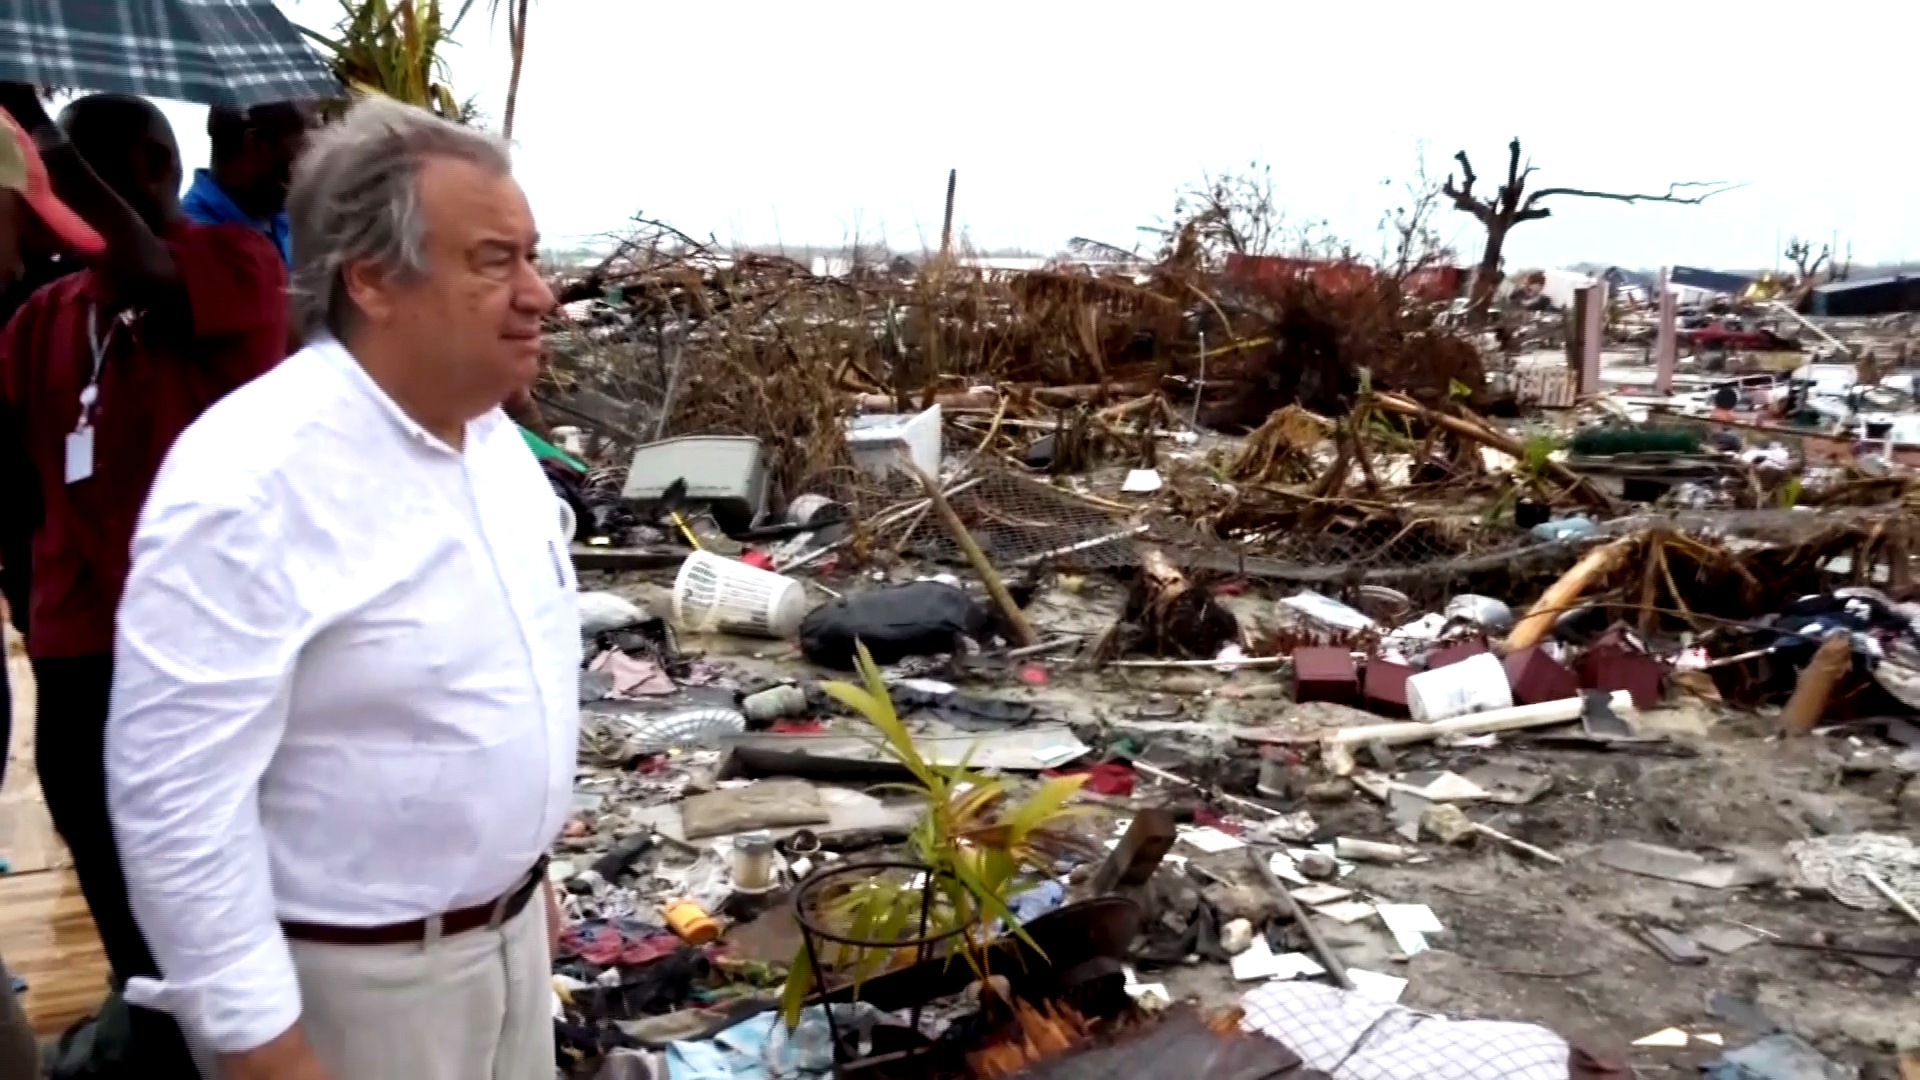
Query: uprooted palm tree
1512 204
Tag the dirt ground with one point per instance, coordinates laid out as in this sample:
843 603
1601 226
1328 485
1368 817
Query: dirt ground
1526 940
1555 945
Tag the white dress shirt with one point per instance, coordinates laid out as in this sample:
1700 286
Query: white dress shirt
346 684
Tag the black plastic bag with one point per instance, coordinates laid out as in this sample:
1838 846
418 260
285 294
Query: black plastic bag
921 618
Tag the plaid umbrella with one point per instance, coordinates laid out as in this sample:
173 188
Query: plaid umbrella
217 52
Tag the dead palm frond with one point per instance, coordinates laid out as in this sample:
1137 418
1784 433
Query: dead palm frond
396 48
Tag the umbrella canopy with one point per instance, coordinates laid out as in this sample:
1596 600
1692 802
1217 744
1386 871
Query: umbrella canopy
216 52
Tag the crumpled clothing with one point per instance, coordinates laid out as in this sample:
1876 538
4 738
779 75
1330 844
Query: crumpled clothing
1030 904
1352 1037
632 677
607 943
1105 778
1837 864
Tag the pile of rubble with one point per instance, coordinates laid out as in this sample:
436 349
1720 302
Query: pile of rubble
1231 692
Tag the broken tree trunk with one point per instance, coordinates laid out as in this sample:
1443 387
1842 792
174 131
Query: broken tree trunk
1598 563
1810 696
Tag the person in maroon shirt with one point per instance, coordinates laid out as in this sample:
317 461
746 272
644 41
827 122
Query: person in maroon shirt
100 372
27 205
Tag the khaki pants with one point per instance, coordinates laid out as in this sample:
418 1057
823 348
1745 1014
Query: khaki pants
475 1006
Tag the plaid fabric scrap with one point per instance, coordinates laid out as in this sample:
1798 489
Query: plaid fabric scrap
1353 1038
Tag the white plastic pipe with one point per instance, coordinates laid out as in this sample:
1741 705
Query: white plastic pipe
1544 714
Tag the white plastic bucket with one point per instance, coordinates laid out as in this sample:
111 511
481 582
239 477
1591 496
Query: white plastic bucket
714 593
1473 685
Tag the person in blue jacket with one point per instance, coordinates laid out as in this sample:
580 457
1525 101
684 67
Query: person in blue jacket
251 169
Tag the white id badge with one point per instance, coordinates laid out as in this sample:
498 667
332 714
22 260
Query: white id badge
79 454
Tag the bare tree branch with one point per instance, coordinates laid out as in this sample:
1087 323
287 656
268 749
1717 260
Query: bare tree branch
1466 169
1512 204
1719 187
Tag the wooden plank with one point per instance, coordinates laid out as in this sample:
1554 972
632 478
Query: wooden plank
589 557
46 931
46 934
27 840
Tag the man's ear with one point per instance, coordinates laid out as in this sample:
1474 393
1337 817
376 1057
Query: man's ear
370 288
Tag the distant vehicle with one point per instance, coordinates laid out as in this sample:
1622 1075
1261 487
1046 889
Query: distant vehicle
1718 338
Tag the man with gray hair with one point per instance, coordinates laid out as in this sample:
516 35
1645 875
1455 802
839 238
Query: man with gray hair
345 703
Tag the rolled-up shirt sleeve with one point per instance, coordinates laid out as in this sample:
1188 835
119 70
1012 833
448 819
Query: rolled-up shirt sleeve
209 628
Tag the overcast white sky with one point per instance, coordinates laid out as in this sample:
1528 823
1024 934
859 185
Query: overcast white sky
764 121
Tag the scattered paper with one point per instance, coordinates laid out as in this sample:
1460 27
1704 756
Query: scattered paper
1385 989
1257 962
1211 840
1294 965
1350 911
1057 755
1314 895
1711 1038
1283 867
1229 657
1329 611
1723 939
1152 994
1666 1037
1409 924
1452 787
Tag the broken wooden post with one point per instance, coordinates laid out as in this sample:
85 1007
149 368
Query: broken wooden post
1593 334
1146 842
1815 688
1666 343
1017 624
